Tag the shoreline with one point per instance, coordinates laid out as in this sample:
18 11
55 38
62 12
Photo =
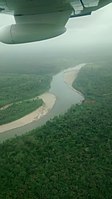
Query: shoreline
71 74
48 103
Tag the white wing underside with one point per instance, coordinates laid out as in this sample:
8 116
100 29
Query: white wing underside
42 19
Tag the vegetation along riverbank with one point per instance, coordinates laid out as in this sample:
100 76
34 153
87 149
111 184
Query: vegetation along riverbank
70 156
18 92
47 98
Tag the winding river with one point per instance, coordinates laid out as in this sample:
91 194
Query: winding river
65 97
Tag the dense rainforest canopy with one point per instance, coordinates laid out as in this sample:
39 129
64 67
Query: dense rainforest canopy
71 156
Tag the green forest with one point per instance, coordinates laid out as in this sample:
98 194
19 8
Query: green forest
16 93
18 110
70 157
18 88
25 84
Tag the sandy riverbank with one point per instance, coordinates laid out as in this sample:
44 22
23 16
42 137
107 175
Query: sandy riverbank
71 74
49 101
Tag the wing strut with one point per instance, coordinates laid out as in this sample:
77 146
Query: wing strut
82 4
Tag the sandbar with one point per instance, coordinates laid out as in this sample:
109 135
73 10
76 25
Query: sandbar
71 74
48 103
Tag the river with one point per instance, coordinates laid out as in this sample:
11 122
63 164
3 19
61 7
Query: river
65 97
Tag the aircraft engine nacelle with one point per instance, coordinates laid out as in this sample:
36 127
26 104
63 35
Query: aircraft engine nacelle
23 33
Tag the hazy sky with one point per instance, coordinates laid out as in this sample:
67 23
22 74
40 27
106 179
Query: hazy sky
84 32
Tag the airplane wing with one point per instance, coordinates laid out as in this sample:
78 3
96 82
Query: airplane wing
42 19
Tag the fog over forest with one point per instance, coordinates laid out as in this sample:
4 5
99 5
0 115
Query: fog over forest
87 39
71 155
